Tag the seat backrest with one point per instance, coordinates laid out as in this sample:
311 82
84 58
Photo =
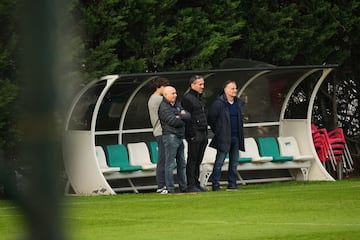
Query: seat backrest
336 133
288 146
100 155
248 154
268 146
139 154
336 136
154 151
209 154
117 155
251 149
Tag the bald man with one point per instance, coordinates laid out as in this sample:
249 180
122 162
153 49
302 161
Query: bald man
172 118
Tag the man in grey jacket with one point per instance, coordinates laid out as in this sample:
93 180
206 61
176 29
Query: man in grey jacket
172 118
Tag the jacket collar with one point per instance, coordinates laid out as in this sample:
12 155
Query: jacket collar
195 93
224 99
164 99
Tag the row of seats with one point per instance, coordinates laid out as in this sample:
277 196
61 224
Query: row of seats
118 157
265 149
127 162
140 156
139 160
264 153
132 157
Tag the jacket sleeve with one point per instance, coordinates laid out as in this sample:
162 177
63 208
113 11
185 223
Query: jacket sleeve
185 116
167 116
186 104
213 113
189 130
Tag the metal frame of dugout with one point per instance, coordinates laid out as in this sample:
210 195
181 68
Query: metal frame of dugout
279 101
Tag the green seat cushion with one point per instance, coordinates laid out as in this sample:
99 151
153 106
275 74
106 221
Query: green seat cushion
282 158
245 159
130 168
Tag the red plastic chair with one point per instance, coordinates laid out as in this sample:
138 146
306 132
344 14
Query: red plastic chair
338 142
323 147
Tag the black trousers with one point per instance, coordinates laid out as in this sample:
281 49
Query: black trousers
195 155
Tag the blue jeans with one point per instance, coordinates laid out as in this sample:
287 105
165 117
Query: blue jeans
174 156
233 162
160 165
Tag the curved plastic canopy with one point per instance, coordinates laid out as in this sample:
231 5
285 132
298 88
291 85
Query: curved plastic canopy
113 109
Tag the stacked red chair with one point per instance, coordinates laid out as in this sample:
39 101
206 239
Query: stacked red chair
340 148
318 143
331 148
323 146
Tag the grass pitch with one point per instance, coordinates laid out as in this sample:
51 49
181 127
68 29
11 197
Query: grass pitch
291 210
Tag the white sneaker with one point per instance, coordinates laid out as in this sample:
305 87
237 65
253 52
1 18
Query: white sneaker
164 191
159 190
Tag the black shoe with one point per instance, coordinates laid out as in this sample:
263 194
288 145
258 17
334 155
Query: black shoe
216 187
232 187
201 189
193 189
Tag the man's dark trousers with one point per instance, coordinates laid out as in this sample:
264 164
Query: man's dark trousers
195 155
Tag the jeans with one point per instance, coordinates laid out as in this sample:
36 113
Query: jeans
233 162
174 155
160 165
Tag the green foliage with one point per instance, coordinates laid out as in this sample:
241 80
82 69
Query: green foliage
9 64
8 95
102 58
184 35
101 37
8 39
159 35
203 35
291 33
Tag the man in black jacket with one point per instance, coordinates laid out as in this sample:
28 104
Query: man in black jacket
226 121
172 118
195 131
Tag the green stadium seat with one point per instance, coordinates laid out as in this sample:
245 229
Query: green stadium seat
268 146
100 156
153 148
252 151
117 156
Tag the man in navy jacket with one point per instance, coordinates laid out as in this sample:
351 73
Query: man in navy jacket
226 121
